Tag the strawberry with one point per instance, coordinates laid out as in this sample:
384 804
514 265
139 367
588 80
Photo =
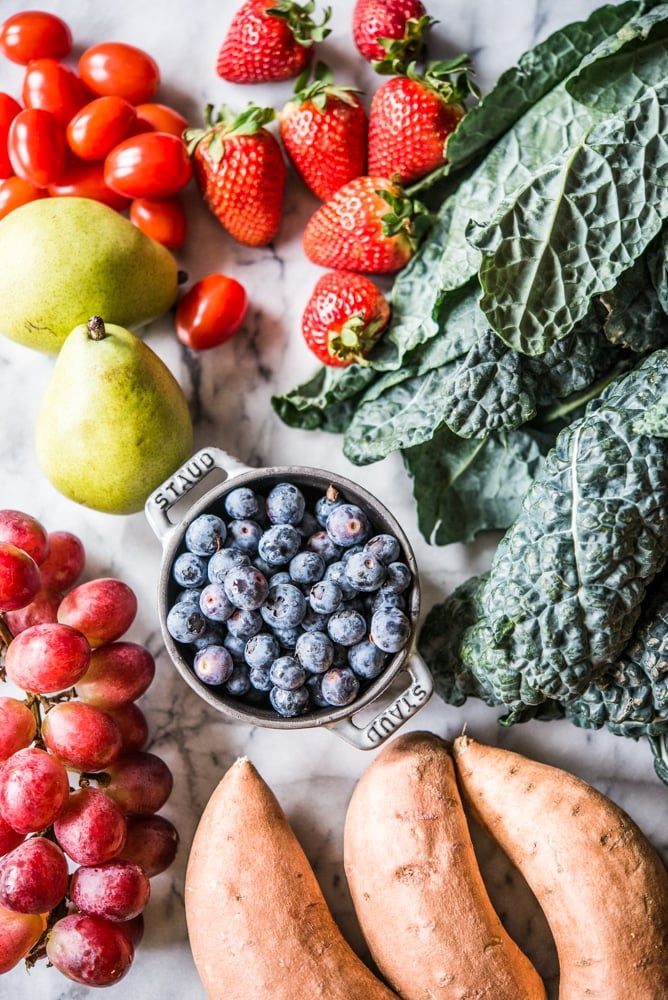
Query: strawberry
390 29
411 117
269 40
324 131
344 317
240 170
368 225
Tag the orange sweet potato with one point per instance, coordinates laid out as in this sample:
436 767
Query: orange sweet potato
258 923
415 883
602 886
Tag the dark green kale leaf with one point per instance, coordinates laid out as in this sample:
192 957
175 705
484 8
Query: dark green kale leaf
326 401
636 317
569 576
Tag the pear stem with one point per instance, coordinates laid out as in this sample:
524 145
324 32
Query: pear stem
96 328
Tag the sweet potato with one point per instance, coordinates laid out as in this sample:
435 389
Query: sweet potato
258 923
602 886
418 893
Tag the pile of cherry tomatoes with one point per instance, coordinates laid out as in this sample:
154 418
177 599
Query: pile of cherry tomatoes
96 131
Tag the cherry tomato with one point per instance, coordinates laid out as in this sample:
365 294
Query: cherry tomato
210 312
9 109
37 147
163 219
14 191
52 85
99 126
149 165
33 34
160 118
83 179
121 69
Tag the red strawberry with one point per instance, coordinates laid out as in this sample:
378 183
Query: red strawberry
411 117
269 40
240 170
369 225
344 318
324 130
390 29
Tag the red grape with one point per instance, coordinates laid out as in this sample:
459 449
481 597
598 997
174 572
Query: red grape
64 562
133 928
17 726
102 609
133 725
140 782
34 876
91 827
82 736
9 837
43 608
25 532
118 672
151 842
89 950
18 933
47 658
117 890
19 577
34 787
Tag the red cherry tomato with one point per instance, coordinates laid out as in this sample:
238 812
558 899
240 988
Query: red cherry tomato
14 191
149 165
160 118
9 109
86 180
210 312
52 85
99 126
37 147
33 34
163 219
121 69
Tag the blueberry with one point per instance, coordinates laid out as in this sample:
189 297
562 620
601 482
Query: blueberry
308 525
189 594
336 571
384 546
222 561
325 504
314 621
315 651
213 635
325 597
390 629
383 598
306 567
213 665
289 703
366 659
347 627
365 572
214 602
261 650
284 607
238 683
236 646
348 525
287 672
244 534
260 679
279 543
244 623
314 688
206 534
320 542
246 587
287 637
399 577
189 570
242 503
185 622
280 576
285 504
339 686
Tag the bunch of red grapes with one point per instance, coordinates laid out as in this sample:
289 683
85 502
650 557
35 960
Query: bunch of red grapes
80 832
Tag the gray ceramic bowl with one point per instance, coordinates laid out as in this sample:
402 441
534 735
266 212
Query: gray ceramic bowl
210 463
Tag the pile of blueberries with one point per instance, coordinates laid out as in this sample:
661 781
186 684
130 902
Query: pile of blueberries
289 605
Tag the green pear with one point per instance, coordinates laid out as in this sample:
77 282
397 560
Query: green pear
113 423
63 260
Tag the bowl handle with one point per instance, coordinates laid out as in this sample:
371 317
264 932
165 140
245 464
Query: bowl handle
183 480
403 707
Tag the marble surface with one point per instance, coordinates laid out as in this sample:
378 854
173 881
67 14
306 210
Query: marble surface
312 772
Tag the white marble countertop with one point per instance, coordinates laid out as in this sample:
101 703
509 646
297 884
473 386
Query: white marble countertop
312 772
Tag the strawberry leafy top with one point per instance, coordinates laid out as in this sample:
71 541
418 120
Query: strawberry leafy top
321 88
299 21
224 124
